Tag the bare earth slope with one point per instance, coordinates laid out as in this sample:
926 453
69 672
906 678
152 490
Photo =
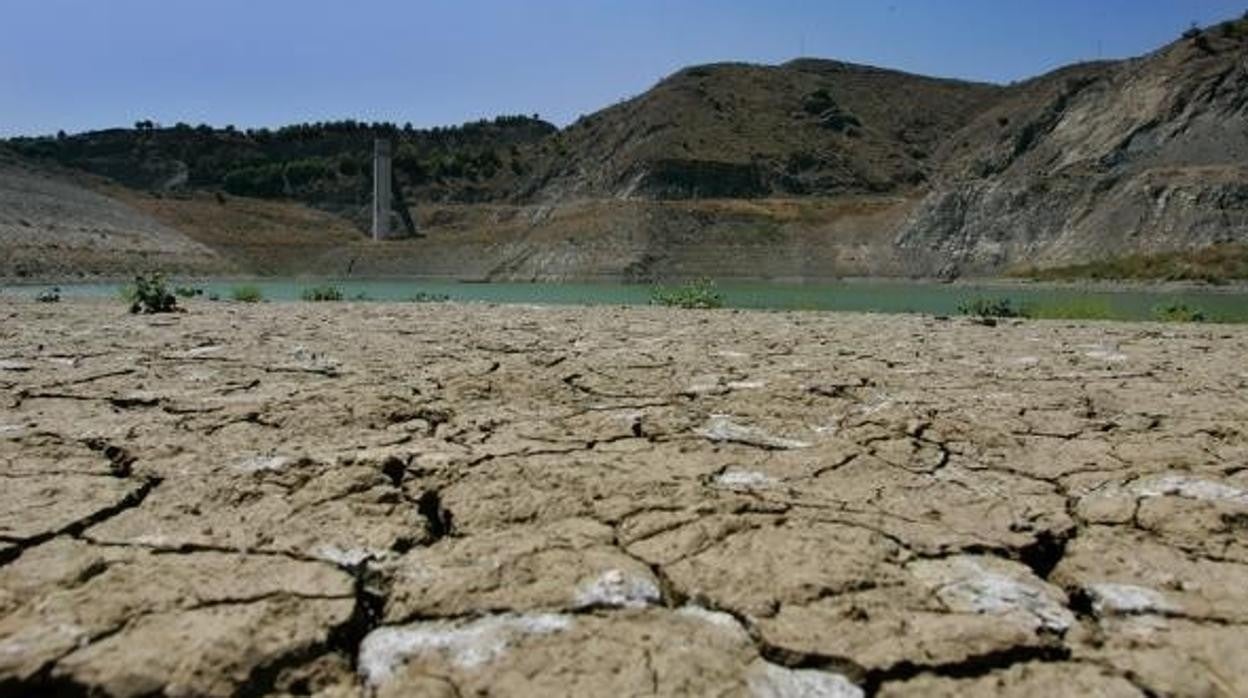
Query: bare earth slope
53 226
405 500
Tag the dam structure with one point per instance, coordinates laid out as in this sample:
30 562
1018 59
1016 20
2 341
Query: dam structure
381 188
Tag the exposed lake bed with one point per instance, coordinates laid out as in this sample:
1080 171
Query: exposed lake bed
424 498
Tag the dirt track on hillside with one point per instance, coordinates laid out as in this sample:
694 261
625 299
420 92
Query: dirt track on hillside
358 499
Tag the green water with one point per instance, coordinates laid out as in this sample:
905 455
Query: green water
872 296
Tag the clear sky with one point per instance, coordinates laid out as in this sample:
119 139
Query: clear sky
86 64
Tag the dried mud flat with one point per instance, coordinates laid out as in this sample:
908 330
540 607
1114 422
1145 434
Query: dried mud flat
442 500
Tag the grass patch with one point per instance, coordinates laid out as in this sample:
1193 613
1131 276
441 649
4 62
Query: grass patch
1217 264
694 294
1074 309
320 294
187 291
1179 312
1071 309
247 294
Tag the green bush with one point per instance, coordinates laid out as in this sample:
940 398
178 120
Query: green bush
322 293
423 297
990 307
1178 312
263 181
149 295
247 294
187 291
694 294
51 295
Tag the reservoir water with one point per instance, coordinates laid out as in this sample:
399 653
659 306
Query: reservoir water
1131 303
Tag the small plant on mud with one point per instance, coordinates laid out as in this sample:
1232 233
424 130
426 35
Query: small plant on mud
694 294
991 307
1178 312
247 294
423 297
148 294
187 291
51 295
322 293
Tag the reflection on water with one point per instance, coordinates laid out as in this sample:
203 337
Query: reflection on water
872 296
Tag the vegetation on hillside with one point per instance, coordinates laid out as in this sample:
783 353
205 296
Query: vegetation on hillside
321 163
1215 265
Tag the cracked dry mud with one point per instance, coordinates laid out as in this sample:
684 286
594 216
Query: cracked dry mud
446 500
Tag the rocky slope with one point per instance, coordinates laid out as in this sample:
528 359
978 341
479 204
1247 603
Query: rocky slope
1145 156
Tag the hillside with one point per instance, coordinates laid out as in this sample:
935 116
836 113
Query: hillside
808 127
326 165
810 169
53 225
1144 156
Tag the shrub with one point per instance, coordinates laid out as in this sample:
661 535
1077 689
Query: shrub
51 295
322 293
694 294
423 297
149 295
1178 312
990 307
247 294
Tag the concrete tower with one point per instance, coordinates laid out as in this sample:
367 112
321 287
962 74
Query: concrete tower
381 189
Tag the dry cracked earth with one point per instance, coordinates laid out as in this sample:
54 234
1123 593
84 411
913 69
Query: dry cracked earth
448 500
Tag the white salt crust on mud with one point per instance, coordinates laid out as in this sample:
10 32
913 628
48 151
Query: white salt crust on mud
722 428
1109 598
467 645
767 680
620 589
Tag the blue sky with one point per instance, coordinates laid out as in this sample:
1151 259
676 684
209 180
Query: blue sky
85 64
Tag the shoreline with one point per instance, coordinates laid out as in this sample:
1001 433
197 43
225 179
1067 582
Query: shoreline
1003 283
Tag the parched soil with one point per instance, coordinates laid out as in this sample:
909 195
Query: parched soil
456 500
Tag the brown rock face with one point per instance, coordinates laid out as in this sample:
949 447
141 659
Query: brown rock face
414 500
